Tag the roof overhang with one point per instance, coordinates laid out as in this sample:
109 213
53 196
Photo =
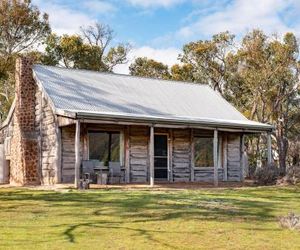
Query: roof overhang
120 118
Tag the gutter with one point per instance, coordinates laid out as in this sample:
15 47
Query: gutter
185 122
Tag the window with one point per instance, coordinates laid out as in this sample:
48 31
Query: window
203 152
104 146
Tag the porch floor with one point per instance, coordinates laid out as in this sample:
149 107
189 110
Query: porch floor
157 186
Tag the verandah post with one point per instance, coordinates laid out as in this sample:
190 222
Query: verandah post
77 154
151 155
269 145
215 145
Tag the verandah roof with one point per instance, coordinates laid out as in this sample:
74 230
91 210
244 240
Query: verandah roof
90 94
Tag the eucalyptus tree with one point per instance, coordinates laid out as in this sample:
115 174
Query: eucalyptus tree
22 28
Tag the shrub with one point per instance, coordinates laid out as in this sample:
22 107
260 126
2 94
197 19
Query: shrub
266 175
291 221
293 175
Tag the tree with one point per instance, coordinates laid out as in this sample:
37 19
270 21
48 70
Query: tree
264 82
90 50
143 66
183 72
208 59
22 28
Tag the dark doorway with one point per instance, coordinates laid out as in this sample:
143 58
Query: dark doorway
161 157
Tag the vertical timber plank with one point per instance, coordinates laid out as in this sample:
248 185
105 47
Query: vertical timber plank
171 157
225 164
216 157
192 156
127 154
77 154
151 156
269 145
242 157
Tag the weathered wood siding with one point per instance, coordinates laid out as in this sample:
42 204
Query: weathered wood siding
68 153
234 169
207 174
46 127
139 154
181 161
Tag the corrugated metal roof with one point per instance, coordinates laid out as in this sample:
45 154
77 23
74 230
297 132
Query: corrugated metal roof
90 93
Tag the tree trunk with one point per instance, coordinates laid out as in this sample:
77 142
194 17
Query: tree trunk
282 144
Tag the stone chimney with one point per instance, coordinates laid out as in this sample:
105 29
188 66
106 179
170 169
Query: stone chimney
24 165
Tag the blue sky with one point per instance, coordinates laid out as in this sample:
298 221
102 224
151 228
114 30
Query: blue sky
159 28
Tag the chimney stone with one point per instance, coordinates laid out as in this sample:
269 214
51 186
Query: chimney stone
24 166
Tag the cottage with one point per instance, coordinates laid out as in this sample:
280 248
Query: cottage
155 130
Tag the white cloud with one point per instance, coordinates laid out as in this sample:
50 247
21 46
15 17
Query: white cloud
63 19
99 6
241 16
66 19
167 56
155 3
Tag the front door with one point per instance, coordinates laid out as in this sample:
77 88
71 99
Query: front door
161 157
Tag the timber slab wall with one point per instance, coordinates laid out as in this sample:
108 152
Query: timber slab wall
135 153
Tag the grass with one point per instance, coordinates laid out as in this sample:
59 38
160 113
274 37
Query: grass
240 218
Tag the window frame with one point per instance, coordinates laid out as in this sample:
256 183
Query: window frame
194 156
108 131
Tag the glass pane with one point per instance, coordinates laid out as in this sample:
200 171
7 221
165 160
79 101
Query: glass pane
161 168
161 163
98 146
203 152
115 147
160 145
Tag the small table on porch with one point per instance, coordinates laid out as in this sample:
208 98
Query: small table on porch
100 169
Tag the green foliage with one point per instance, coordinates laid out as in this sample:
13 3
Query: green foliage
142 66
86 51
208 59
22 28
264 83
183 72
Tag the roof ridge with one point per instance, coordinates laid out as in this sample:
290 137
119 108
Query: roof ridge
129 76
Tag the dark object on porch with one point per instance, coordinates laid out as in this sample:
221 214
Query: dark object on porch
85 182
87 168
115 174
102 178
266 175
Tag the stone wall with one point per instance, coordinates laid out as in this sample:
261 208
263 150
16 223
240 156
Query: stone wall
24 142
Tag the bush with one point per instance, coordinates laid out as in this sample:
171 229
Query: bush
266 175
293 175
291 221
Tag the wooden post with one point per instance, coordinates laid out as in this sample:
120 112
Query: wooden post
225 144
269 145
151 156
171 156
242 157
192 156
77 154
216 157
127 154
220 152
58 154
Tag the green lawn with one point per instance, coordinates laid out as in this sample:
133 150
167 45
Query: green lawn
244 218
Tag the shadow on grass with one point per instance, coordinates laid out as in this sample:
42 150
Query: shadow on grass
138 207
